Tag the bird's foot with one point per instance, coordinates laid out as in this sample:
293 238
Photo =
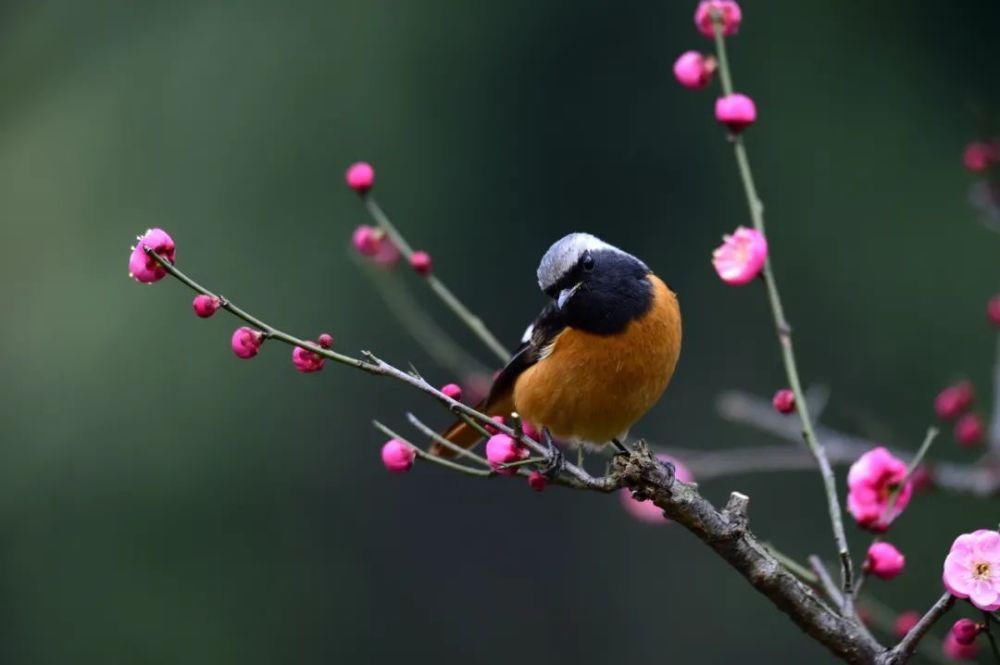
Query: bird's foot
620 448
554 463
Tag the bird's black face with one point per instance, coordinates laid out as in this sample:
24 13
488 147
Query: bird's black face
603 291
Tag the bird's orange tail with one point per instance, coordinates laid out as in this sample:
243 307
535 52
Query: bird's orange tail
461 434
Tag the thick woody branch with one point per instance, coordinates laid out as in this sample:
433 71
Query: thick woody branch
727 533
901 652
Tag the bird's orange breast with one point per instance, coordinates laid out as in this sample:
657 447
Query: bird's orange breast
593 388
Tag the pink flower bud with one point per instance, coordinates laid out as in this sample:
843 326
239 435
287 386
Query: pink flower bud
530 431
694 70
979 156
728 11
735 111
307 361
972 569
537 481
905 622
366 240
784 401
453 390
871 483
388 254
246 342
205 306
420 261
360 177
647 511
922 478
502 449
741 256
969 430
956 651
397 456
993 310
884 561
966 631
954 400
144 268
325 340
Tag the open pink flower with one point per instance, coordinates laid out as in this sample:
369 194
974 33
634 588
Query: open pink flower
727 10
502 449
647 511
972 569
884 561
741 256
694 70
871 483
397 456
307 361
246 342
143 267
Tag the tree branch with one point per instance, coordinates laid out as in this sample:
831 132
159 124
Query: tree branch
902 651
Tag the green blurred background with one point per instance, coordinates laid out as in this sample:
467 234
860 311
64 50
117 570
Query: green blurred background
162 502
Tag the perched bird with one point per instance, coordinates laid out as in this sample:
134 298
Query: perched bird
598 356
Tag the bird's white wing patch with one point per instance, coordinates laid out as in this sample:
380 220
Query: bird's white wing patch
526 337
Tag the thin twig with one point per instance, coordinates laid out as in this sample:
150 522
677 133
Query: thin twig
461 468
474 323
458 450
829 587
902 651
757 412
988 621
785 332
791 564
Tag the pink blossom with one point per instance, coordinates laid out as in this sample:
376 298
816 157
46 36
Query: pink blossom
694 70
502 449
954 650
453 390
537 481
741 256
360 177
884 561
735 111
646 510
325 340
530 431
871 483
954 400
783 401
307 361
993 310
421 262
205 306
966 631
246 342
972 569
398 456
969 430
728 10
979 156
143 267
905 622
497 419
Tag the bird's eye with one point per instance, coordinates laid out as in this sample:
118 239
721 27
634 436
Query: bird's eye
587 262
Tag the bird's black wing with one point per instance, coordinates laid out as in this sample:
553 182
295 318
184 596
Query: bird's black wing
534 346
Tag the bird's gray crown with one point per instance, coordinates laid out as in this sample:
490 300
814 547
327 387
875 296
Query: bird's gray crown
564 254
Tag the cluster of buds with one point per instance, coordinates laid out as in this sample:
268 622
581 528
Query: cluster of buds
980 156
954 404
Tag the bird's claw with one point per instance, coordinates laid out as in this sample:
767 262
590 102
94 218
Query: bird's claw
555 459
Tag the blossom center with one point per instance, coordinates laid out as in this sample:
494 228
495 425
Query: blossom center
981 571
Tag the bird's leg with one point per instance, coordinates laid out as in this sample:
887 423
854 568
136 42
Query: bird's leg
620 447
555 457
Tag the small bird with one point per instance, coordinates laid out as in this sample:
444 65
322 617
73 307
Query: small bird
598 356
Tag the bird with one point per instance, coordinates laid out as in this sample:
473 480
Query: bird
598 356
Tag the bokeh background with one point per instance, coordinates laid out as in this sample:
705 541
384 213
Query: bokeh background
163 502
